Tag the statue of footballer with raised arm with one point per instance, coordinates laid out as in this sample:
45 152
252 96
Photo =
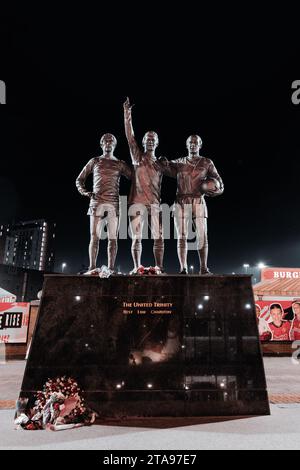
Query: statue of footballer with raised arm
145 195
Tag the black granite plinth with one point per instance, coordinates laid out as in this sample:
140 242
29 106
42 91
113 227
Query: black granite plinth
152 346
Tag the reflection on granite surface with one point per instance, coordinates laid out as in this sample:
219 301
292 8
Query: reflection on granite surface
152 346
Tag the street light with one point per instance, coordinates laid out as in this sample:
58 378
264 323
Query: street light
246 267
63 266
192 269
261 265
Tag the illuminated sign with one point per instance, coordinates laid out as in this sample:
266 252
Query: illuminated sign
143 308
11 320
269 274
14 322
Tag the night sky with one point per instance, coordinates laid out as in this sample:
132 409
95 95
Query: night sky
66 83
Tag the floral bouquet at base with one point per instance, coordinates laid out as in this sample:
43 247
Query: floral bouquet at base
59 406
103 272
142 271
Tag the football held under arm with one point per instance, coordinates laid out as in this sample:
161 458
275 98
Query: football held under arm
213 186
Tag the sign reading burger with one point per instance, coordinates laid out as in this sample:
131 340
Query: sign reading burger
277 299
269 274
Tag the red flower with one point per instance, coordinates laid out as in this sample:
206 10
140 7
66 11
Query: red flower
31 427
141 270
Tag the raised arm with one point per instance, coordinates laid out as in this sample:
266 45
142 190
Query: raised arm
133 146
80 181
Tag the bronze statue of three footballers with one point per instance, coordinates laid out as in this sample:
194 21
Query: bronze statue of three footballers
196 177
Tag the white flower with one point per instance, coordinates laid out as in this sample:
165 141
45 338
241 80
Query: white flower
22 419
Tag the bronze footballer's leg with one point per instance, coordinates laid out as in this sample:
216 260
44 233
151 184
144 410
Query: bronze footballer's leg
112 247
136 225
95 227
181 224
157 235
200 224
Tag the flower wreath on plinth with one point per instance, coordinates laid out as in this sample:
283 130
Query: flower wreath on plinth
59 406
150 271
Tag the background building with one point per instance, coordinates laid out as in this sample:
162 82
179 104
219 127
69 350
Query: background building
28 245
25 284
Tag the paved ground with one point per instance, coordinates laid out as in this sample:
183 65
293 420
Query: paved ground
11 374
280 431
283 377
